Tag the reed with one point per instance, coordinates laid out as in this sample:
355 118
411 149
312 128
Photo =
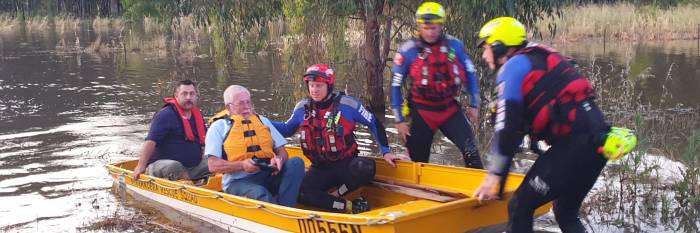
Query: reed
623 21
659 178
688 189
8 23
102 25
66 23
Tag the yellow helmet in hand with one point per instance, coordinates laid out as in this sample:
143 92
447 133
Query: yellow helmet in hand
430 12
619 142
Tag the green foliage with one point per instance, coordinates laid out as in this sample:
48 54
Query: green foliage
688 189
655 3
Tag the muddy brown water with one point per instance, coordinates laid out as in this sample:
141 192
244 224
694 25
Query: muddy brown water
66 111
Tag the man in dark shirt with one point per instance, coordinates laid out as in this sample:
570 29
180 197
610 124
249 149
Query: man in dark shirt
173 147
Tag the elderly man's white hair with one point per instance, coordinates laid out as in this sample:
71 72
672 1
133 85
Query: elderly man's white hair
232 91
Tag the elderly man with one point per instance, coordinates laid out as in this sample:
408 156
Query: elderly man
238 142
173 147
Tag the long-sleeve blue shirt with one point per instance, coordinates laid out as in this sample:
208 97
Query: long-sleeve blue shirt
351 109
510 124
407 54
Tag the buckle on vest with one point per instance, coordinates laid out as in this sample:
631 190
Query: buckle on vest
253 148
246 122
249 133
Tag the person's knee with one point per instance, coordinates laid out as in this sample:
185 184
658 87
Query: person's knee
419 150
295 164
199 171
518 207
305 195
168 169
294 167
565 215
258 193
363 169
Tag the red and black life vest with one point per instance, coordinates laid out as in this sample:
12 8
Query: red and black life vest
436 74
198 120
552 90
325 135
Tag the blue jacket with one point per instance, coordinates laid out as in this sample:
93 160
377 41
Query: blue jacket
407 54
509 127
351 109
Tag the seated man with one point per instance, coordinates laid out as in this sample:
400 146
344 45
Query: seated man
236 140
173 147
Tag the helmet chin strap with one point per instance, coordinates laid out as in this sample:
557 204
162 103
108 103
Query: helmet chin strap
499 50
328 95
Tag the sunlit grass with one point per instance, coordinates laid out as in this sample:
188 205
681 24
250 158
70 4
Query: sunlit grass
624 22
100 24
8 23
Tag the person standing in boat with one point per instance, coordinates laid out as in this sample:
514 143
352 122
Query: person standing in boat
173 147
251 154
542 94
326 123
438 67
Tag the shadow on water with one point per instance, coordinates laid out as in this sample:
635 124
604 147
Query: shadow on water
70 106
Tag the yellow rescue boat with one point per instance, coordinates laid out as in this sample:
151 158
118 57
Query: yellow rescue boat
413 197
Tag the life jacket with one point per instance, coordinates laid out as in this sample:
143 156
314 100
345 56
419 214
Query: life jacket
198 120
325 135
246 138
436 74
552 90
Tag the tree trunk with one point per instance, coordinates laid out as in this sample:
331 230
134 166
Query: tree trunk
374 72
114 8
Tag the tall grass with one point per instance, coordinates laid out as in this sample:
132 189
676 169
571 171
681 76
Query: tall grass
66 24
688 189
623 22
8 23
100 24
645 190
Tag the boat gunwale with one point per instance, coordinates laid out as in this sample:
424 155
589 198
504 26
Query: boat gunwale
379 219
366 220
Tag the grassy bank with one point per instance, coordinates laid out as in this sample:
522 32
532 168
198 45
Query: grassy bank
622 22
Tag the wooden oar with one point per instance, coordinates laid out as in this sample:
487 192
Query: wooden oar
419 191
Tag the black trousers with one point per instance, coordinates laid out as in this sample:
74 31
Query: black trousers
322 177
456 128
564 174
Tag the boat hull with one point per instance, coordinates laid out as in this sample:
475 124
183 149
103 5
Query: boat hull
394 212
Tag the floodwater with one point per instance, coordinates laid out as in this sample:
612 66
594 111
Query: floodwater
67 109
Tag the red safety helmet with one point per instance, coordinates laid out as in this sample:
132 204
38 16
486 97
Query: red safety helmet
320 73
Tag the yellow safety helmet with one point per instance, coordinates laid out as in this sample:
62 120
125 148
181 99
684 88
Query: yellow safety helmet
619 142
430 12
505 30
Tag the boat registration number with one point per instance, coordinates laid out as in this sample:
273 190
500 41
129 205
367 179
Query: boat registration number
318 226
